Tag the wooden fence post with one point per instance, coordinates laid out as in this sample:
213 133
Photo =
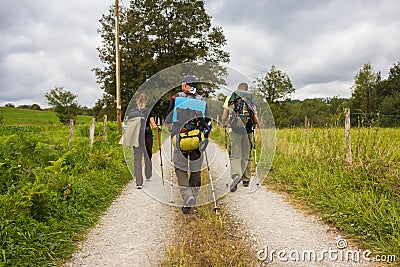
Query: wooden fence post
105 126
71 131
91 132
349 157
306 122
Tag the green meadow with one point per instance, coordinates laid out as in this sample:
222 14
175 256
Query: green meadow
19 116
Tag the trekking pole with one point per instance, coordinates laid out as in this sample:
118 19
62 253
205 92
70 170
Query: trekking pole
172 165
255 157
211 183
159 146
226 146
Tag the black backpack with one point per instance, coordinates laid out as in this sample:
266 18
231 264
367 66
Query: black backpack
242 117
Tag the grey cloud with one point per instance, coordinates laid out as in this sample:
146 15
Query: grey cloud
316 42
47 44
320 44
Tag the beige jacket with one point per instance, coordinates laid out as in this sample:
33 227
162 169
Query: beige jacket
132 131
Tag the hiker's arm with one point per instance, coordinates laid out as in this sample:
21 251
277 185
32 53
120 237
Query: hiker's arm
225 115
255 117
153 123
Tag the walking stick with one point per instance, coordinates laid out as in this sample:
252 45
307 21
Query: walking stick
226 147
211 183
255 157
171 201
159 146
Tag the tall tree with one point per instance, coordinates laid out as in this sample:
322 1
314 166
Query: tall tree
155 35
275 85
389 96
394 79
364 98
64 104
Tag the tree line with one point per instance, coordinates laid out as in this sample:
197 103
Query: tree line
374 100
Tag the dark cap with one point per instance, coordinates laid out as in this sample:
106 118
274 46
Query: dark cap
191 81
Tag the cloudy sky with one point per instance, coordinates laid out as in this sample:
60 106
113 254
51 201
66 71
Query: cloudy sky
320 44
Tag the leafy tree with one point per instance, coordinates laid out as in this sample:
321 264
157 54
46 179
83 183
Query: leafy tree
364 98
24 106
9 105
391 110
275 85
105 106
221 97
36 107
388 92
393 81
64 104
155 35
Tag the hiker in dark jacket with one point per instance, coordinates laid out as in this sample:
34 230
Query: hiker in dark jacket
142 120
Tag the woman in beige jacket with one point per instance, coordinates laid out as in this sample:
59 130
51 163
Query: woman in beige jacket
138 134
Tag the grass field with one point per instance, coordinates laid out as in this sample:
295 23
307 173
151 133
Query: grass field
361 199
18 116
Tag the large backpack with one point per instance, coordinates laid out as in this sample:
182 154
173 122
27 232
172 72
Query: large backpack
189 120
242 115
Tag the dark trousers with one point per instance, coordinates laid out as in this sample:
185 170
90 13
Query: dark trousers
144 150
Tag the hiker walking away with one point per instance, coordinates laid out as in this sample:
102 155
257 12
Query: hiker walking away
138 134
187 121
240 116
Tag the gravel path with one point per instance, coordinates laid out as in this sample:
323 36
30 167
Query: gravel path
133 232
273 224
135 229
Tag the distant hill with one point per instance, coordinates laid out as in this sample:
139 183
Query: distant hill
19 116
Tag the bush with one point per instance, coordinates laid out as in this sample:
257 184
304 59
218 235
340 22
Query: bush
35 107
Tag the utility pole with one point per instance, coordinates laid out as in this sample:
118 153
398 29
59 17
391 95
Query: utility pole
117 68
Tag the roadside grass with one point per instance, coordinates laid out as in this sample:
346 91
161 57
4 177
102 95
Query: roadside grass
360 199
52 192
205 238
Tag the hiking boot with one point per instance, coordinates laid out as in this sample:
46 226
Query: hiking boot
236 179
246 183
187 206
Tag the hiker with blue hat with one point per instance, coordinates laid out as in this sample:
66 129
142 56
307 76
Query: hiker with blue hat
188 122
